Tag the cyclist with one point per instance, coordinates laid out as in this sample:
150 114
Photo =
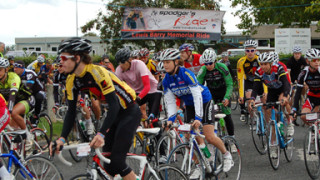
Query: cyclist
105 61
274 77
181 82
311 76
4 120
59 79
37 64
11 61
219 81
19 98
135 54
190 61
296 63
225 60
123 115
32 83
247 67
46 71
151 65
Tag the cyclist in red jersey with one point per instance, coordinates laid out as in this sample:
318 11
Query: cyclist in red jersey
191 61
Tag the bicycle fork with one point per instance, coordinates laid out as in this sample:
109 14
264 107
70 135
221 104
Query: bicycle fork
315 140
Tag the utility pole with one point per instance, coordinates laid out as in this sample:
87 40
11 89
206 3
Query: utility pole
77 18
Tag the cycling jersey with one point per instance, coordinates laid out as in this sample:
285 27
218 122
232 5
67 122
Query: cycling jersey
98 82
10 89
152 66
185 86
286 70
245 70
11 68
277 79
312 79
34 66
31 82
219 80
46 70
295 67
59 78
195 66
133 76
4 113
228 64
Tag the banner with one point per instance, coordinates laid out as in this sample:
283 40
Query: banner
286 38
156 23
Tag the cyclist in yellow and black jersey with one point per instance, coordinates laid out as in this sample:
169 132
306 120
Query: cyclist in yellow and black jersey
123 115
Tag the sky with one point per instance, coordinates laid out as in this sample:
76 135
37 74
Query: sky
57 18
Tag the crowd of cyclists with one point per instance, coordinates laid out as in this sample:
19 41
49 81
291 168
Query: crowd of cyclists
188 82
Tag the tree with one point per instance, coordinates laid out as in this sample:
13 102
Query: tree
289 13
110 24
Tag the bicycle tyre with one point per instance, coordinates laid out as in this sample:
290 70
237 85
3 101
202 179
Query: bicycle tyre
274 161
82 177
235 171
137 146
45 124
311 158
288 150
234 99
179 152
168 172
259 138
41 142
41 168
165 141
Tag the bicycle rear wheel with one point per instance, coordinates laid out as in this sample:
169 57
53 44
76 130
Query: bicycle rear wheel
235 171
168 172
40 168
165 146
45 124
258 134
273 147
41 142
234 99
179 157
311 154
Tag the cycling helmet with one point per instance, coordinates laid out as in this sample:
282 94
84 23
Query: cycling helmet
49 61
144 52
169 54
296 49
208 56
250 43
156 56
135 53
40 59
105 56
75 45
10 57
275 56
123 55
265 58
224 54
312 53
186 47
160 67
4 62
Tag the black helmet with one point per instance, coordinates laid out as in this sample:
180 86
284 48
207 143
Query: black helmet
123 55
75 45
10 57
105 56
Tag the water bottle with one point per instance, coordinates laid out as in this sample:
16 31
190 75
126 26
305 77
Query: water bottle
182 137
82 124
280 125
205 150
222 124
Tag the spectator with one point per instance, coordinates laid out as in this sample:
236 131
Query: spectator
105 61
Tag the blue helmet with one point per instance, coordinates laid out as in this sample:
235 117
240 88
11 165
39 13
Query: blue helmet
186 47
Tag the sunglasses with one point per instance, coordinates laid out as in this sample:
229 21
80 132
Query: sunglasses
208 64
250 50
18 65
106 62
315 60
65 57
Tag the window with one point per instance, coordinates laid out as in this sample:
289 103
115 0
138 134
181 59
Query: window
54 49
263 43
315 42
38 48
272 42
24 48
31 48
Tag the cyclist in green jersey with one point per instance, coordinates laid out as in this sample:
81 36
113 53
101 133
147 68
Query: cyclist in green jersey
219 81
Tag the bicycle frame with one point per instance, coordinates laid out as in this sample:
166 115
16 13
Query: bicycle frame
260 122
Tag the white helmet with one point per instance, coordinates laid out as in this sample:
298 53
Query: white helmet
296 49
312 53
208 56
4 62
40 59
224 54
275 56
265 58
160 67
169 54
250 43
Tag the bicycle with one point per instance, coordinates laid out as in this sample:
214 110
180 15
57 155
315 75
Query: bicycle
188 157
277 139
259 133
311 145
95 168
34 167
235 96
43 122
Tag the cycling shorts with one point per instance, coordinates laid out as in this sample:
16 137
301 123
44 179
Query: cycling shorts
311 103
208 113
248 86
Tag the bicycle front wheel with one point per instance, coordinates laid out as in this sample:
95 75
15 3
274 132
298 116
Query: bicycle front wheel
258 133
180 157
40 168
45 124
311 154
41 142
168 172
273 147
234 99
164 147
